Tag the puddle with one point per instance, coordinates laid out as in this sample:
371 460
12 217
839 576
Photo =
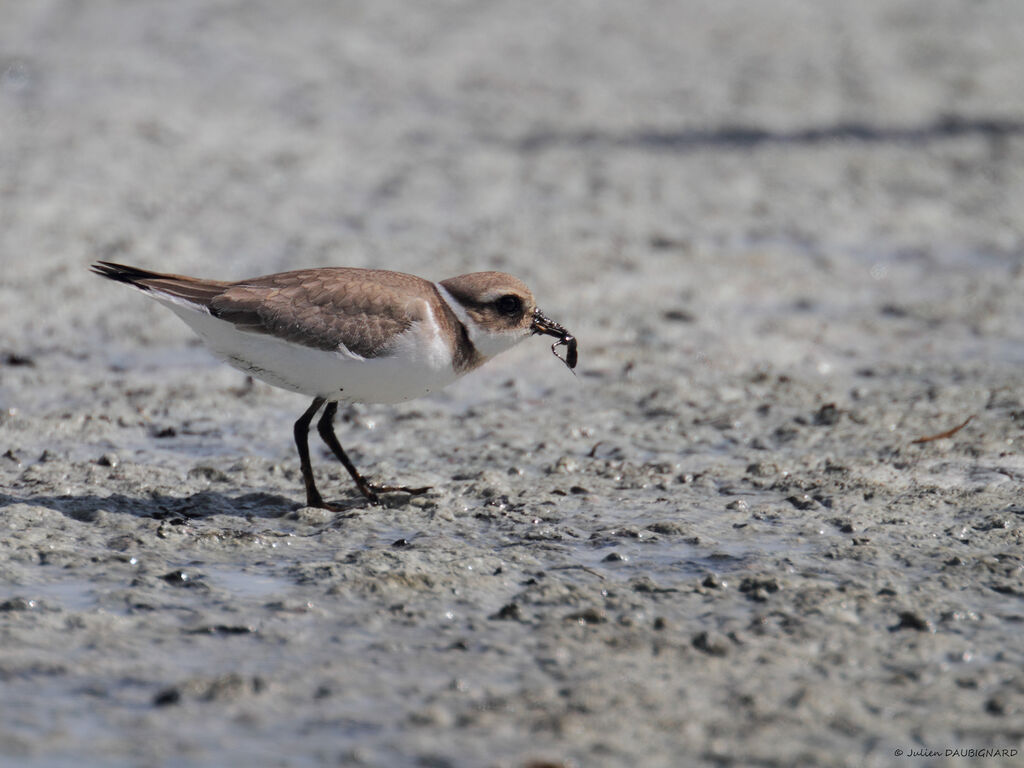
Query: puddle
64 595
617 542
669 559
244 584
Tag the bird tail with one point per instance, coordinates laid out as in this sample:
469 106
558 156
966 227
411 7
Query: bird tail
189 289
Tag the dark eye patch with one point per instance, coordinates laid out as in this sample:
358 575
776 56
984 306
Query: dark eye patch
509 304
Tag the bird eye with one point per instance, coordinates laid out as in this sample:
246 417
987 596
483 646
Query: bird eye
510 304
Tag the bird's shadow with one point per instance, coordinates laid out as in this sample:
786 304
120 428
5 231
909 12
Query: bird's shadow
177 509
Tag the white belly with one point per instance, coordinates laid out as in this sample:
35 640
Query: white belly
421 362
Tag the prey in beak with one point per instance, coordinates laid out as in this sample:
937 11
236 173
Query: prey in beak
548 327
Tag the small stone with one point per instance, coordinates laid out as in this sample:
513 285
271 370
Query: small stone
667 528
564 466
802 501
827 415
167 697
182 578
996 706
108 460
208 473
711 643
762 469
13 359
508 612
758 588
711 581
431 716
17 604
679 316
221 629
588 616
912 620
312 515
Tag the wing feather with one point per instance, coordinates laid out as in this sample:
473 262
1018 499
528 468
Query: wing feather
358 310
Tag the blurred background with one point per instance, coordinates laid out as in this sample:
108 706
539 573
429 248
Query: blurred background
720 162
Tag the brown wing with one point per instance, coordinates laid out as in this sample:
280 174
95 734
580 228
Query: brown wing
361 309
325 308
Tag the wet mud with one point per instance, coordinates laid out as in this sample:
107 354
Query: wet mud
776 518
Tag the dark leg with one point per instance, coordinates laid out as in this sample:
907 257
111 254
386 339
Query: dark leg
313 497
326 428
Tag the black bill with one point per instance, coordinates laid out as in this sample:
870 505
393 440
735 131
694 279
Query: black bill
543 325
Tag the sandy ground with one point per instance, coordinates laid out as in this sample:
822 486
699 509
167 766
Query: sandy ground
790 239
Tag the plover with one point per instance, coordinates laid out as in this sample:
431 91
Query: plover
346 335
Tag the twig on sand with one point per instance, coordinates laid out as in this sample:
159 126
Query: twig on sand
941 435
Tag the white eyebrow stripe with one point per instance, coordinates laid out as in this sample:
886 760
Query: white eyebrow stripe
458 310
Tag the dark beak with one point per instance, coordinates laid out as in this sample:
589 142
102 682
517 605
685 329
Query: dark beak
547 327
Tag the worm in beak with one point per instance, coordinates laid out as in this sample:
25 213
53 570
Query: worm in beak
548 327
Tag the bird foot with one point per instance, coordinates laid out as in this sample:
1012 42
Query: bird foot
400 489
370 492
321 504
